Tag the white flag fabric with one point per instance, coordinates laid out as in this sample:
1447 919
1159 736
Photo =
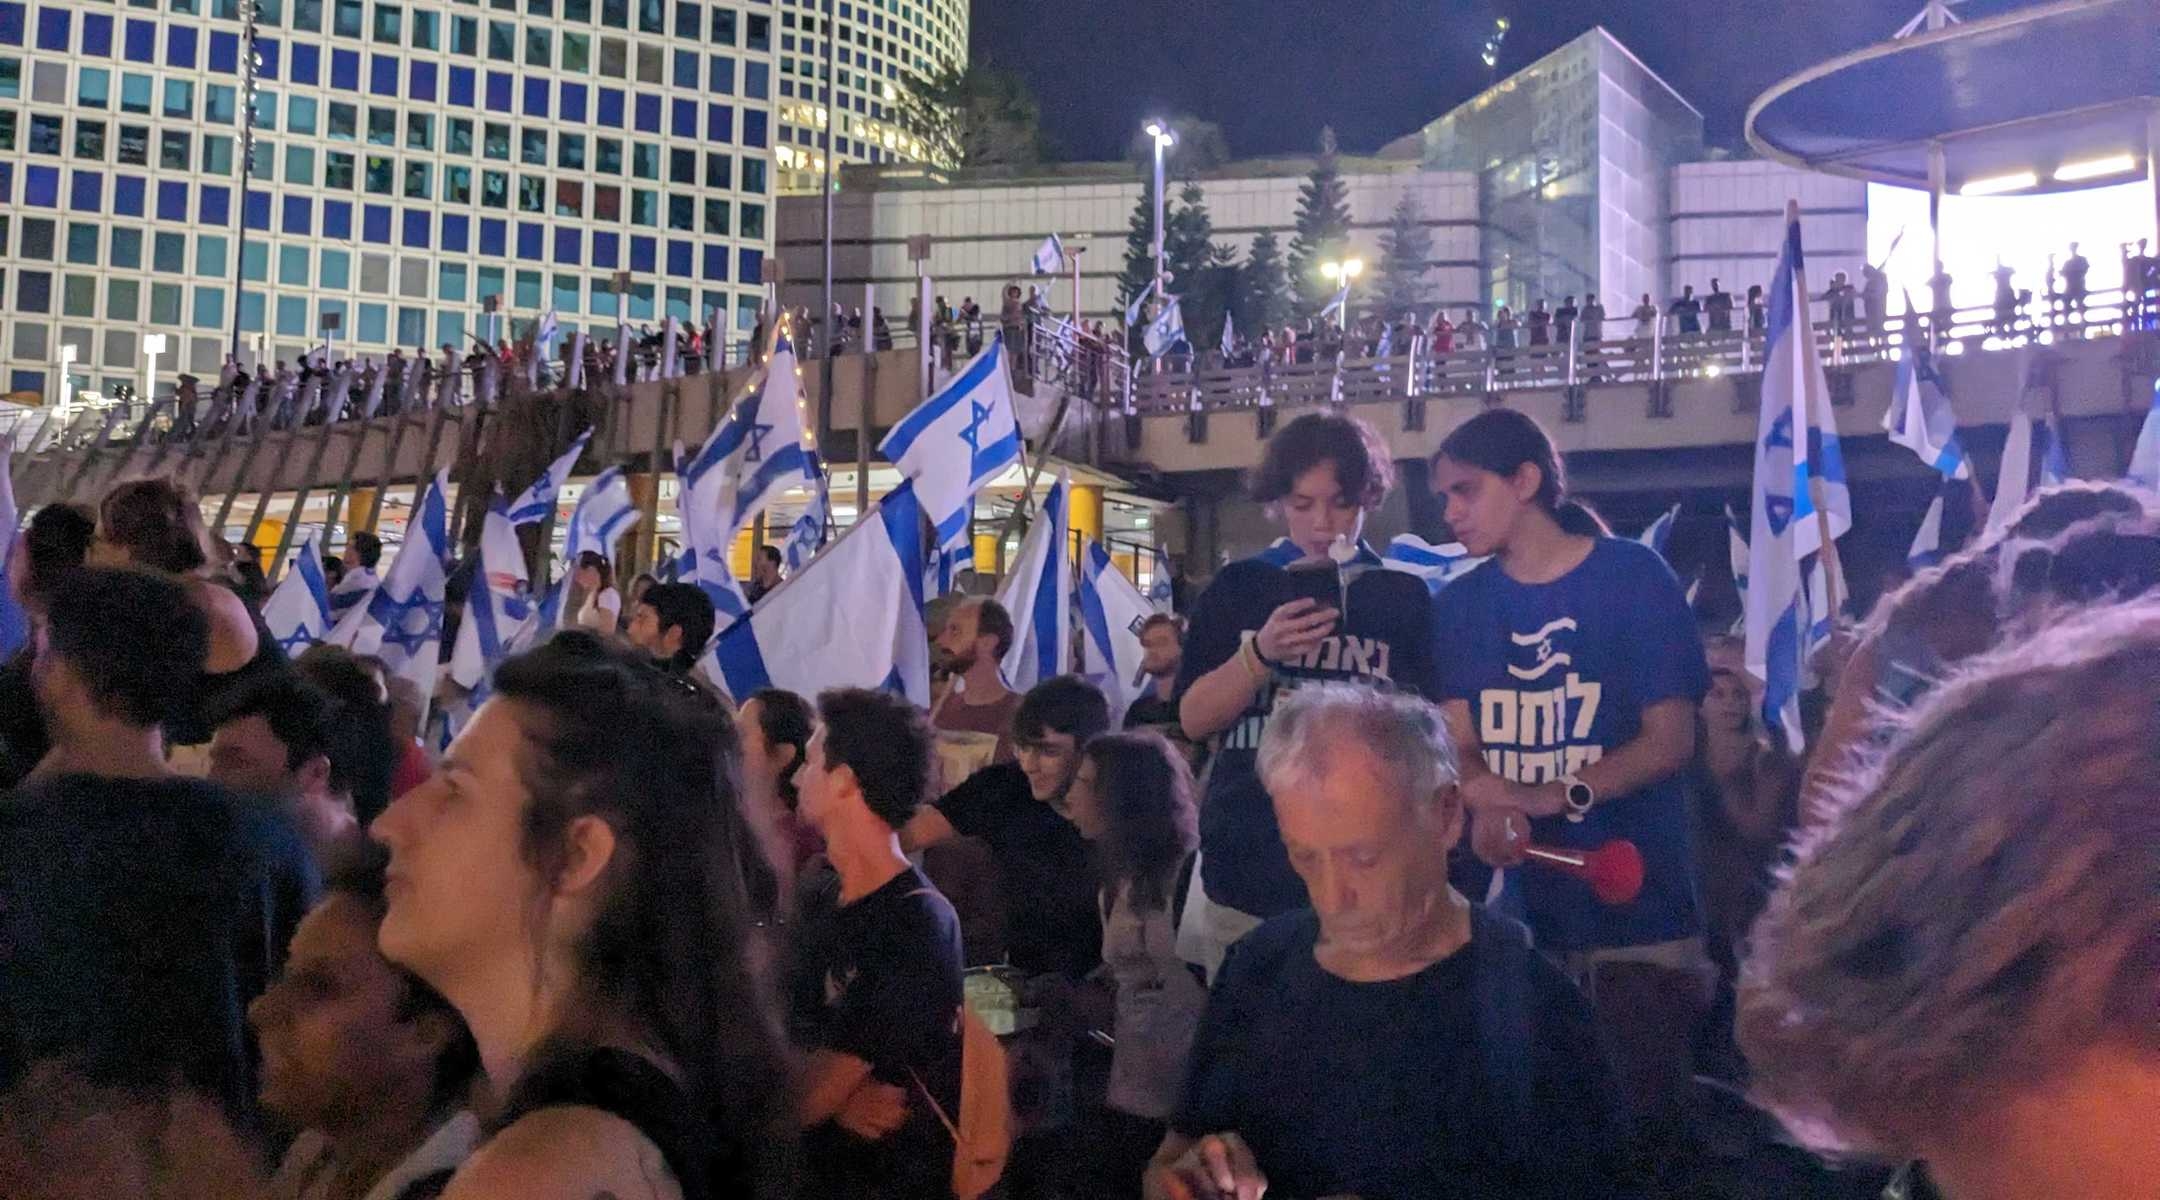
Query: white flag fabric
755 454
1229 332
545 334
1659 533
1800 494
954 443
1920 418
1139 304
1338 305
1927 544
1160 591
537 502
576 378
500 615
622 354
14 622
603 514
851 618
1436 565
1166 330
808 532
402 621
2145 456
2013 479
1112 611
298 611
670 349
1038 594
1049 257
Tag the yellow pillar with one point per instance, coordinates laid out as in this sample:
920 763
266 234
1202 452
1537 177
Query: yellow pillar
362 510
268 532
1087 511
739 555
644 540
986 552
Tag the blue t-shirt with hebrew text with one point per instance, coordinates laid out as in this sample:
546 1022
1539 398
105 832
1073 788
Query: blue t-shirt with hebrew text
1558 674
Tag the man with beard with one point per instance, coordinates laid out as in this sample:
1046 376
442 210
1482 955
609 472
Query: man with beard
970 648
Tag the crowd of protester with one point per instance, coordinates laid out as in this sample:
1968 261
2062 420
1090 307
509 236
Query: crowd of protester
1289 924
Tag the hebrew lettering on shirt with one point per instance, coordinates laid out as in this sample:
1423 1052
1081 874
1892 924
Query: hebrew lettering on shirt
1540 732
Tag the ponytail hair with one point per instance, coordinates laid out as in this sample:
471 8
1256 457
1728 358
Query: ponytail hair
1503 441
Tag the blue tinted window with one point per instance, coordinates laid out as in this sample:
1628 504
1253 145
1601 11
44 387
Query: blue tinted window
611 108
421 86
375 223
755 78
97 35
374 323
306 63
461 86
126 249
209 307
139 42
684 118
345 70
251 312
12 16
678 258
686 65
127 195
494 237
258 211
298 215
498 92
417 228
753 127
334 270
271 54
179 46
648 113
456 233
171 200
720 122
34 292
52 28
168 253
606 249
292 316
225 52
86 192
382 74
567 246
529 237
214 207
572 102
644 251
536 97
749 264
337 220
720 74
716 262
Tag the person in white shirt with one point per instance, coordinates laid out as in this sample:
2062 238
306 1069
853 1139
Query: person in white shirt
363 553
602 610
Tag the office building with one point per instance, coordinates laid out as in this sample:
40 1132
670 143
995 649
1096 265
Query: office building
881 45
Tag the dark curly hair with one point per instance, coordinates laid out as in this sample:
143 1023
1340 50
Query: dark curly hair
1362 464
157 523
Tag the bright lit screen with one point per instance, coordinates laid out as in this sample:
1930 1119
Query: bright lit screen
2022 231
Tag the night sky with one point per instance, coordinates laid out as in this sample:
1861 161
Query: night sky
1272 72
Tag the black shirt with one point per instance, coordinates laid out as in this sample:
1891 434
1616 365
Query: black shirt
1052 925
138 917
1386 638
879 979
1480 1076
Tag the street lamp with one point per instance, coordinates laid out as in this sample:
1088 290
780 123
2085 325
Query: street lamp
1161 134
67 384
250 64
1491 53
1342 273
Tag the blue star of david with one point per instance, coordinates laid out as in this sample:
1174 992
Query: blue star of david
407 635
294 641
972 435
756 450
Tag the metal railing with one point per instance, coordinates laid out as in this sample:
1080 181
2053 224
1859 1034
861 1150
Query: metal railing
1424 369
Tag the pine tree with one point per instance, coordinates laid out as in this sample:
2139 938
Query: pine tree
1263 290
1201 274
1139 247
1323 227
1405 258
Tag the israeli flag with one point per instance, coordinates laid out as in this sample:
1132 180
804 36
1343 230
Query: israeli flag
1112 611
1919 417
1339 305
1386 348
1139 305
954 443
1166 330
1927 544
603 514
501 617
808 532
754 455
2032 456
1436 565
545 333
1049 257
402 622
1798 467
1160 593
2145 456
1229 332
851 618
1659 533
537 502
1038 594
14 622
298 612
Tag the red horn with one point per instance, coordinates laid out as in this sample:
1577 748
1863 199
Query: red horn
1614 870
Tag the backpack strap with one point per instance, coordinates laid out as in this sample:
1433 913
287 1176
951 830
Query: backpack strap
1183 889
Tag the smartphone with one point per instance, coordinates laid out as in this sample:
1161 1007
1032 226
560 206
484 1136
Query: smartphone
1317 580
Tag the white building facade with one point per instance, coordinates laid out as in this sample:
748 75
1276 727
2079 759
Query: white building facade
411 160
881 45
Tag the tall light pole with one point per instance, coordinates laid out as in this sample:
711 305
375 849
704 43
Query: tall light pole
1160 133
1490 56
1343 273
248 66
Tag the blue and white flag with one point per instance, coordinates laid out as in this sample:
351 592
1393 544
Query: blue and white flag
537 502
1436 565
298 612
501 617
851 618
1112 611
1229 333
1038 594
603 514
1801 501
352 591
1139 305
1659 533
808 533
754 455
2032 458
954 443
2145 456
1049 257
1386 348
1166 330
544 335
1339 305
1737 550
1160 593
1927 544
14 622
1920 418
402 622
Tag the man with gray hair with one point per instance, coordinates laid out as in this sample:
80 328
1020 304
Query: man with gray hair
1393 1039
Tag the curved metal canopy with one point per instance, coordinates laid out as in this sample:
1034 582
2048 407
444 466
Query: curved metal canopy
2066 93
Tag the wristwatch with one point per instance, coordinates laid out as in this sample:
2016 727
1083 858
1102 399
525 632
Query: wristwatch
1578 796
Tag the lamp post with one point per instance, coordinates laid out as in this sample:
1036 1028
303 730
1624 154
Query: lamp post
248 66
67 382
1342 273
1160 133
1490 56
153 344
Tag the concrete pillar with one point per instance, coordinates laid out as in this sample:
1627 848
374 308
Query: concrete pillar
644 541
1087 511
986 550
363 508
